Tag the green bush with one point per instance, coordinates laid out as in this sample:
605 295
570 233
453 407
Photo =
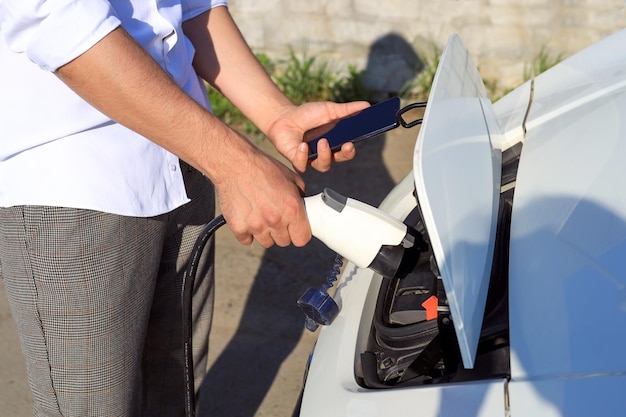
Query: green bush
350 87
541 62
305 79
229 114
419 88
302 79
431 55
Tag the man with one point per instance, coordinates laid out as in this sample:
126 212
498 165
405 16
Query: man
98 102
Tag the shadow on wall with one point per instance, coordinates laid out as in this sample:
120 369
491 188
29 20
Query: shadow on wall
272 324
391 65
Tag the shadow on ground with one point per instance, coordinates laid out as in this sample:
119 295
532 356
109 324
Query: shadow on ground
272 324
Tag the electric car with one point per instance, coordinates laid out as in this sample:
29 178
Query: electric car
517 304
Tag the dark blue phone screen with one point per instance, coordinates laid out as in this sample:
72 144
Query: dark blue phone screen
365 124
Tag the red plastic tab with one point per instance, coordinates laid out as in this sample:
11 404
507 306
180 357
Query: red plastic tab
431 307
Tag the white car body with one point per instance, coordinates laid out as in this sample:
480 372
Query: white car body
566 263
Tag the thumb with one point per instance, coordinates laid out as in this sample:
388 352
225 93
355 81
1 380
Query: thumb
301 158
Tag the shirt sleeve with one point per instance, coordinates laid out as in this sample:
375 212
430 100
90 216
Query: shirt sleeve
53 33
193 8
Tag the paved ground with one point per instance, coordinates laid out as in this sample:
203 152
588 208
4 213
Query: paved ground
258 346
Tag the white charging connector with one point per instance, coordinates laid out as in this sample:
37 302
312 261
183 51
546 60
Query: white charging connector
352 228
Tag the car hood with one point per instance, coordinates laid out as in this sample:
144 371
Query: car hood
457 177
568 232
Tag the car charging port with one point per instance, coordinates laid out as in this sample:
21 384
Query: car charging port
412 339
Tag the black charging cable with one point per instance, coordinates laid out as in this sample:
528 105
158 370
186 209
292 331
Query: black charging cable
186 295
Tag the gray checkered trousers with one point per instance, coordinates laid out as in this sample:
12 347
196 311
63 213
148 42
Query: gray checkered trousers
97 302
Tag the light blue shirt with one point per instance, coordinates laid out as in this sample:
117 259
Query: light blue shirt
56 149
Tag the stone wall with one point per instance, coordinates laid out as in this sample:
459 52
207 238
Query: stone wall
387 36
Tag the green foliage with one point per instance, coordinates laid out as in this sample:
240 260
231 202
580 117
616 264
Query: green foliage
431 55
302 79
494 92
541 62
305 79
350 88
266 62
229 114
419 88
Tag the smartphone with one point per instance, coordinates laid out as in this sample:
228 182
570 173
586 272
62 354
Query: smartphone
367 123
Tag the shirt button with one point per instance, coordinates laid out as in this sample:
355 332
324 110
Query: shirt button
172 167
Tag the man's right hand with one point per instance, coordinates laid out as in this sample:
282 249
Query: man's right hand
260 198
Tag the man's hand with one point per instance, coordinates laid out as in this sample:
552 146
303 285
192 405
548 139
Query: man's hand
226 62
260 197
287 132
